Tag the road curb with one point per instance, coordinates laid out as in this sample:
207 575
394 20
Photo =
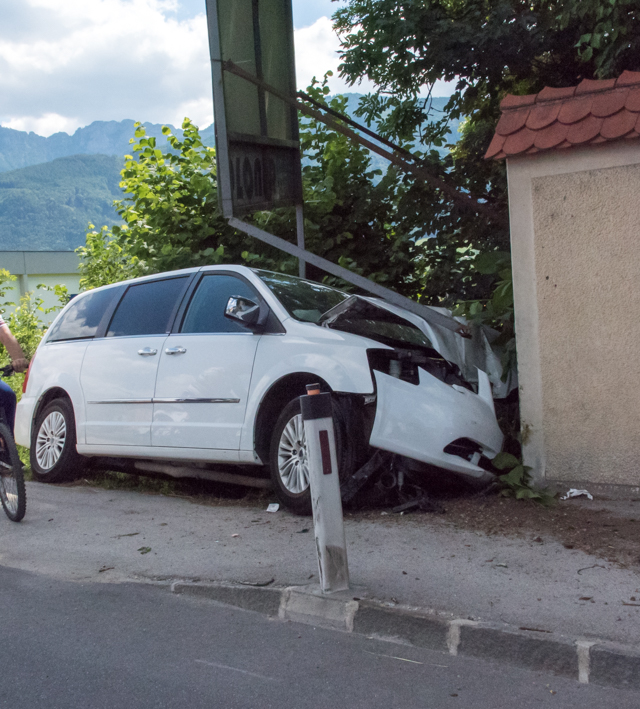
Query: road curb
262 600
586 660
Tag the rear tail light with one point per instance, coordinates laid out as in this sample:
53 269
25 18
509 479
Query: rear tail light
26 379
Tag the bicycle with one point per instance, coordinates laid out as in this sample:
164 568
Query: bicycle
13 494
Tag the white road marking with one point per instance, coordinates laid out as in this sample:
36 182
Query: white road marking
404 659
236 669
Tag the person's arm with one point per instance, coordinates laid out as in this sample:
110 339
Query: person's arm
18 360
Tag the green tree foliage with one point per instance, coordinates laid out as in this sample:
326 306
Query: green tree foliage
487 48
170 212
611 33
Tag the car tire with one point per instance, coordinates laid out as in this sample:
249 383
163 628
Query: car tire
53 454
288 462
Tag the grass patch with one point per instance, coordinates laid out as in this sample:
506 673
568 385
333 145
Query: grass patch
204 492
26 463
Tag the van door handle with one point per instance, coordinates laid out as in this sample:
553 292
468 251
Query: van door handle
147 352
175 350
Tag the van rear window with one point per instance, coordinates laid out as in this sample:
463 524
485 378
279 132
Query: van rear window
147 308
81 319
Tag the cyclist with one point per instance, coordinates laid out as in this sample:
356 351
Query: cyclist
19 363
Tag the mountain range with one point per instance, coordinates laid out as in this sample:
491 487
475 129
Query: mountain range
52 187
20 149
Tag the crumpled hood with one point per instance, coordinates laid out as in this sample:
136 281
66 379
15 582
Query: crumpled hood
468 353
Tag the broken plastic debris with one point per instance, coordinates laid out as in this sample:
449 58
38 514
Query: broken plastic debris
273 507
258 584
577 493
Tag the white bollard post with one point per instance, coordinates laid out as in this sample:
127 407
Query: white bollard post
325 490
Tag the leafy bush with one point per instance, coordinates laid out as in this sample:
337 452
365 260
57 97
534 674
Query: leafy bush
516 481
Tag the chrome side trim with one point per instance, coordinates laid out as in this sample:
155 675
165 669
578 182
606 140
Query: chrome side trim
122 401
196 401
166 401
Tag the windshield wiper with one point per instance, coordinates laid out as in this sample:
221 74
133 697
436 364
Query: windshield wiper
330 316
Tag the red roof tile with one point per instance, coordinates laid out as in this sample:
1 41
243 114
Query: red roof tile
543 114
618 125
585 130
628 77
519 142
549 93
575 110
510 101
554 135
588 86
633 100
496 145
557 118
511 121
609 102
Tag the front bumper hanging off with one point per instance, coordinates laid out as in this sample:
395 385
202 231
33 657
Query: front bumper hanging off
419 422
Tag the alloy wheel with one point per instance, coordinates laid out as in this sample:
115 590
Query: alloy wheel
51 439
293 465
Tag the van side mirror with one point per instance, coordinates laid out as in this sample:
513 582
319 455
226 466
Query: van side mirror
246 311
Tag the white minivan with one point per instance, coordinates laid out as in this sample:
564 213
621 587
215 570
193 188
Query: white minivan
187 370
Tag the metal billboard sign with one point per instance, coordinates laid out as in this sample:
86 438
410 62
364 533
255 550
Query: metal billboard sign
257 142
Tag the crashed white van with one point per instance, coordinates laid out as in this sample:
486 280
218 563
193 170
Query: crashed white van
181 372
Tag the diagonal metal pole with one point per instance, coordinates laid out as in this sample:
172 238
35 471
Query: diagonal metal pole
429 314
453 193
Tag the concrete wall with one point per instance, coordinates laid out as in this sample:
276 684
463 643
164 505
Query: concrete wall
41 267
575 230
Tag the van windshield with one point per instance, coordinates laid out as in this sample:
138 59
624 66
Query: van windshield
303 300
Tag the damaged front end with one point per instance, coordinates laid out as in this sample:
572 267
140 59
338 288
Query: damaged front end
425 409
436 423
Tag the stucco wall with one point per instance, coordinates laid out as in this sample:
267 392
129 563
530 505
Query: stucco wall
587 252
575 234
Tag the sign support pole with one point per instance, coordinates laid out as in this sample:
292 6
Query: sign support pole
302 264
429 314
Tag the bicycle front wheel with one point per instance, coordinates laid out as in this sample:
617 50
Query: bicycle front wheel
13 494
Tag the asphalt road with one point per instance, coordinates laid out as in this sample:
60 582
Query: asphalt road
88 646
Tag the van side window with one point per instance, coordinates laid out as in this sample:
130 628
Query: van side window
82 317
206 310
147 308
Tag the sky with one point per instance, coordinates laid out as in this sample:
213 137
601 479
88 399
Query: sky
67 63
